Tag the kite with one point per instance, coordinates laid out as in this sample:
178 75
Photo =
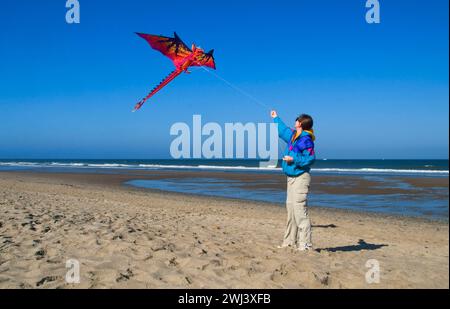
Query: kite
182 57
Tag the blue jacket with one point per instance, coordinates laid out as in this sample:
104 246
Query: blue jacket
301 149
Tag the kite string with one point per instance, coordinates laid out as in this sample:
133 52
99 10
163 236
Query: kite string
237 89
280 148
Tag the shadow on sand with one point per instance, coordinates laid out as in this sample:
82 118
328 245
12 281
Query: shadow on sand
362 245
324 226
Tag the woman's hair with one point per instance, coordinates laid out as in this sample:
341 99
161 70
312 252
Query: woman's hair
306 121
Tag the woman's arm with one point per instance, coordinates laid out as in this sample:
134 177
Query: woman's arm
284 132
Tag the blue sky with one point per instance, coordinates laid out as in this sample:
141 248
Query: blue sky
374 90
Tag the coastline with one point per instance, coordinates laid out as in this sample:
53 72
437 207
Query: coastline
127 237
385 196
102 180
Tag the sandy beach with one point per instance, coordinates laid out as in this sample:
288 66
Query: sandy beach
125 237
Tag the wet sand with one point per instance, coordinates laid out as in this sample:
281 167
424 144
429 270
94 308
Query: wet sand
330 184
127 237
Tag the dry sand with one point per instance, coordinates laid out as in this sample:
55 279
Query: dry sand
133 238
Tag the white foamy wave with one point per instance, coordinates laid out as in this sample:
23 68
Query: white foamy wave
272 168
268 168
19 164
66 164
161 166
217 167
378 170
207 167
109 165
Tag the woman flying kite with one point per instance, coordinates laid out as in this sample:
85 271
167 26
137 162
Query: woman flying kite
182 57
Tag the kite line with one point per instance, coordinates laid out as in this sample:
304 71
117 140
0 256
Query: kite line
261 104
245 93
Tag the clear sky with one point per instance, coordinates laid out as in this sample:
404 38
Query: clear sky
374 90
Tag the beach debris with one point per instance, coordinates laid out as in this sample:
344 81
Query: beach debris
181 55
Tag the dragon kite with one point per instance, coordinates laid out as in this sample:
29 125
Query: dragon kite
182 57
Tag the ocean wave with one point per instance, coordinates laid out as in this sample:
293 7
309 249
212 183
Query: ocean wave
108 165
259 168
218 167
379 170
66 164
19 164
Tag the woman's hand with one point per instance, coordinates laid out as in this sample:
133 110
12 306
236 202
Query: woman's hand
288 159
273 114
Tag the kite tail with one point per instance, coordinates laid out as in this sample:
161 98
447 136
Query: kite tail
163 83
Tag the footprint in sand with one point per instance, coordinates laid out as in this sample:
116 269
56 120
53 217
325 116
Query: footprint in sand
172 262
120 236
40 254
323 278
279 272
46 279
125 276
216 263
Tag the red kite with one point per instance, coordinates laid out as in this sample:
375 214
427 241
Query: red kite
182 56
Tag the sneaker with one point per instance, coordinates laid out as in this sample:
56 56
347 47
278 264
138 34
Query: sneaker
304 248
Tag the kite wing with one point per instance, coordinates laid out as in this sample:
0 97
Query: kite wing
173 48
205 59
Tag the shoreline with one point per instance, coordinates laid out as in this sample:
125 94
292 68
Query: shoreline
135 238
373 214
119 179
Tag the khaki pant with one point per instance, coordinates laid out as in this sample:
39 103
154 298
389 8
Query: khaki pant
298 226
